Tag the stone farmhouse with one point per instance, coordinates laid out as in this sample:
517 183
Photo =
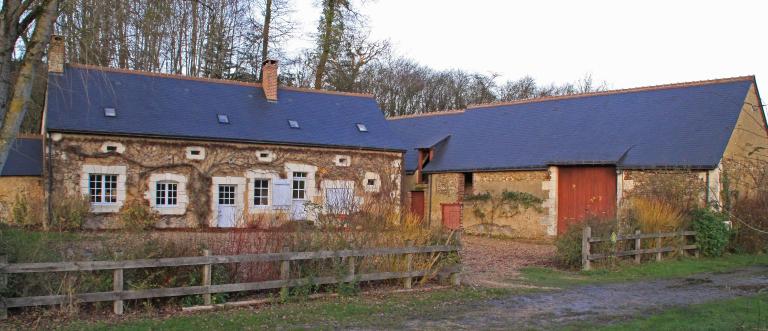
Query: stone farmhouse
215 153
562 159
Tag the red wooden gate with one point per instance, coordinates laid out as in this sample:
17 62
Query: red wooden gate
451 215
417 203
585 192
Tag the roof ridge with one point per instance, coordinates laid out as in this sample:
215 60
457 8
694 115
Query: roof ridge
616 91
434 113
211 80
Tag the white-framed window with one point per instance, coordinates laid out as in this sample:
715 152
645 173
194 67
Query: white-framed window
105 187
372 182
260 192
102 188
299 185
166 194
195 153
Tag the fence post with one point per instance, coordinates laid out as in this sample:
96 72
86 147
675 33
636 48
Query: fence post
285 275
117 286
408 281
681 246
696 251
658 248
638 256
586 264
3 285
351 268
207 270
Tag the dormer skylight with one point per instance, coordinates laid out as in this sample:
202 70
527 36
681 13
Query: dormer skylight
110 112
361 127
223 118
293 124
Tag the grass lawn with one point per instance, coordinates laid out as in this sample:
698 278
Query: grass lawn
745 313
360 311
630 272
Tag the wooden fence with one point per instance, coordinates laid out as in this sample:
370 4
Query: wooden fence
118 294
587 240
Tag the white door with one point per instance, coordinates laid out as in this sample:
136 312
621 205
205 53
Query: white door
227 211
299 196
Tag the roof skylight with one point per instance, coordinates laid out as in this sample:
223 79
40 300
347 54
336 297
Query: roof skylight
223 118
294 124
110 112
361 127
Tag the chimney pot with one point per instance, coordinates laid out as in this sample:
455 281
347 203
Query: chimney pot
269 79
56 55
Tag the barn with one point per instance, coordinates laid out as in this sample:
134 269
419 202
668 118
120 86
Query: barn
531 168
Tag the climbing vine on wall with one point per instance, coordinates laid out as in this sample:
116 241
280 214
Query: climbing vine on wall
487 207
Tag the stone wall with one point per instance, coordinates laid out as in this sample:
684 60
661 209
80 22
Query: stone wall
445 188
146 161
491 217
11 187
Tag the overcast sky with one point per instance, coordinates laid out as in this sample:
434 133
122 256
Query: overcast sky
625 43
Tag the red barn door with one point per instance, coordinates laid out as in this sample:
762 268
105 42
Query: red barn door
417 203
451 215
585 192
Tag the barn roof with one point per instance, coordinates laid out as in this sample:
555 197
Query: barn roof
674 126
148 104
25 158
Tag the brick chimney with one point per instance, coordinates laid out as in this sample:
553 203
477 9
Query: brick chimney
269 79
56 55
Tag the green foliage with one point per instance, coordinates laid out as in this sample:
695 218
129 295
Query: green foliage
478 197
568 244
711 232
137 216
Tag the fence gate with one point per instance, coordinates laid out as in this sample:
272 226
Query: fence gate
451 215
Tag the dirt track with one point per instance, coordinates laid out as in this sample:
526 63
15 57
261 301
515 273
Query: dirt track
599 303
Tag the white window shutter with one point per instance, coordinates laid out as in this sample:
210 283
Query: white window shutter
282 193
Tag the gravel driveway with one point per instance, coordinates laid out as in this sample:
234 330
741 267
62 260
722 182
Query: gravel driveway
491 262
599 303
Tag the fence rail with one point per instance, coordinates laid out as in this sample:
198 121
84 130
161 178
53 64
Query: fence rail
206 261
587 240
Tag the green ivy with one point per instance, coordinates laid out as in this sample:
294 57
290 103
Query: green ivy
711 232
478 197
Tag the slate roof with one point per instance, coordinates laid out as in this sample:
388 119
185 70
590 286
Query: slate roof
182 107
675 126
25 158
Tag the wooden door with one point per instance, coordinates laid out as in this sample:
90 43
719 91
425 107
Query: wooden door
417 203
585 192
451 215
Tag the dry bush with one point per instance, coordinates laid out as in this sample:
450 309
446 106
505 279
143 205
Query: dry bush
137 216
568 244
70 212
745 196
27 209
679 188
654 216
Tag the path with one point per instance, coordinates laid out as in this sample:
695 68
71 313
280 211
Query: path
599 303
491 262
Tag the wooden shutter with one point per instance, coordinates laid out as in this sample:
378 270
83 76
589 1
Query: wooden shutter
281 193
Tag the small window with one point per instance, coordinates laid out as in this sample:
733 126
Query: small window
264 155
361 127
194 152
111 148
102 188
223 118
293 124
342 161
166 194
260 192
299 187
371 182
110 112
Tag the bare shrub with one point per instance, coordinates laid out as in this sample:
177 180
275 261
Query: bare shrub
70 212
679 188
745 201
27 210
137 216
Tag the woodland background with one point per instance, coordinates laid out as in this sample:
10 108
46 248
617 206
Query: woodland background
229 39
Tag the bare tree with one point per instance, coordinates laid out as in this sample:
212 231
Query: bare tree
22 88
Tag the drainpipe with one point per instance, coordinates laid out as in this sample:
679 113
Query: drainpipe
49 180
706 196
429 210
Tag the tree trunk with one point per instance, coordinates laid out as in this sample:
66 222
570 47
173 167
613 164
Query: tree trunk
22 89
265 36
10 30
325 48
193 42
